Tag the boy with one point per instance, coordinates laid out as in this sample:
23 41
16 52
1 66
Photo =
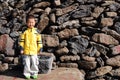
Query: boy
30 44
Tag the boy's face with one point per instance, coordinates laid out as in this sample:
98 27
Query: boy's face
31 23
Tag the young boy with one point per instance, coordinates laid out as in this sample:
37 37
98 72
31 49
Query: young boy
30 44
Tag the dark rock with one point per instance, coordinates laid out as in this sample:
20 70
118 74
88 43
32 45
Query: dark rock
2 56
63 44
8 59
92 52
116 26
100 61
67 3
3 67
45 64
81 13
99 72
78 44
90 30
102 49
87 65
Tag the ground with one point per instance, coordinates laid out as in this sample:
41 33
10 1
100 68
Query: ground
56 74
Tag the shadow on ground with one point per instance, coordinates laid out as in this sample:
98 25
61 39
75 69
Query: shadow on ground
14 72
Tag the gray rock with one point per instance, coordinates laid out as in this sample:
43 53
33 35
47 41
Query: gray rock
45 63
63 44
4 30
63 18
14 34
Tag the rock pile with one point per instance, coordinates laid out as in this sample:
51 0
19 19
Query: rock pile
80 33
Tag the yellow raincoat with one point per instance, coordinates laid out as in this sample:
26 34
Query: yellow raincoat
30 41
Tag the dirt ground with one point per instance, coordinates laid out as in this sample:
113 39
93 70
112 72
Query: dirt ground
57 74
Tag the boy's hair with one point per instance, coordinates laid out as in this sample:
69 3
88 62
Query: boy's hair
30 17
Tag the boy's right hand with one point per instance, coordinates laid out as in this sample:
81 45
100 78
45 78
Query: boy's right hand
21 51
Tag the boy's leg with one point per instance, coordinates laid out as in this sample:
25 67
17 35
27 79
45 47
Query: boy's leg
34 66
26 63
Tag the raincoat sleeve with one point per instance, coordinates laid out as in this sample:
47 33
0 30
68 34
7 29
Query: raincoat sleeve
22 41
39 43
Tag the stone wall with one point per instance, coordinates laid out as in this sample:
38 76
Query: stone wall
82 34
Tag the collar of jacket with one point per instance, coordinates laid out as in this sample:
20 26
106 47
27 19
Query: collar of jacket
30 29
